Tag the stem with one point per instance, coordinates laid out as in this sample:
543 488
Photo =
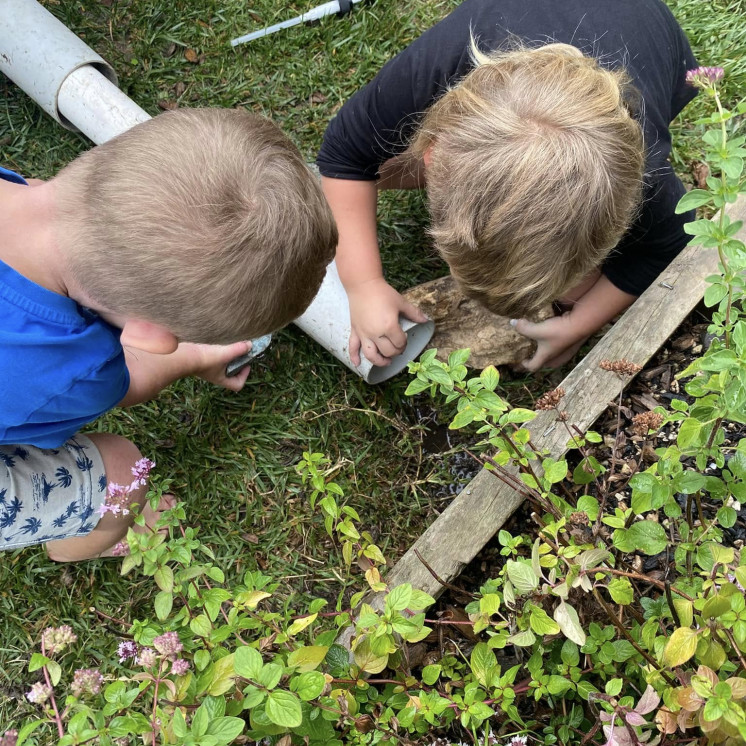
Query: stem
438 578
57 718
721 221
730 637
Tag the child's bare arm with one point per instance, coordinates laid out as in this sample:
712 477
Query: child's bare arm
150 373
374 305
559 338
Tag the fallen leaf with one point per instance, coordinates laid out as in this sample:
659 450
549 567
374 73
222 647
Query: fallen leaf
191 56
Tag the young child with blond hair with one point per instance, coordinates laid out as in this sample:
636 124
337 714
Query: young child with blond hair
540 130
146 259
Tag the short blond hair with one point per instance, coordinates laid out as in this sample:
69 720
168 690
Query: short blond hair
535 174
206 221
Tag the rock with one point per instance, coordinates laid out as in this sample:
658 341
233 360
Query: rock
461 322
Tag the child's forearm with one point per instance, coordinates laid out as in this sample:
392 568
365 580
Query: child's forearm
353 204
151 373
599 305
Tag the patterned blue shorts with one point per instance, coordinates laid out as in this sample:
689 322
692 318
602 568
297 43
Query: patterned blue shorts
48 494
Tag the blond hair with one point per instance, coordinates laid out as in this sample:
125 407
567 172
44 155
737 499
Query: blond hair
206 221
535 173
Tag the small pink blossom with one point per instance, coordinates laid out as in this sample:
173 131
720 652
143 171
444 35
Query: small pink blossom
10 738
87 681
704 77
120 549
147 658
179 667
141 471
56 639
127 649
39 693
168 644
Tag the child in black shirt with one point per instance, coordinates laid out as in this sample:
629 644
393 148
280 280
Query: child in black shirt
542 130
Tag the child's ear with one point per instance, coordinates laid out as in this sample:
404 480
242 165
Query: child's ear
148 337
427 155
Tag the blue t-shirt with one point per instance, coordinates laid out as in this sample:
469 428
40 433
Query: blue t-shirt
61 365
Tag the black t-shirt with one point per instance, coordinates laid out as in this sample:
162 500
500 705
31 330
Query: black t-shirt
640 35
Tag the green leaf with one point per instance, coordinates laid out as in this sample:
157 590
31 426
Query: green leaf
680 646
309 685
55 672
483 662
555 471
431 673
522 576
420 600
621 591
490 377
163 604
248 663
569 653
283 708
27 730
558 685
688 482
164 578
693 199
648 537
222 676
201 626
517 415
37 661
367 659
489 604
568 621
307 658
614 686
270 675
523 639
398 599
226 729
542 623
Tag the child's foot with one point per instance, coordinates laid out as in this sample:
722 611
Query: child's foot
120 549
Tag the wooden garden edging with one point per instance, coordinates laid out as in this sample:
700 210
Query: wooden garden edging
485 503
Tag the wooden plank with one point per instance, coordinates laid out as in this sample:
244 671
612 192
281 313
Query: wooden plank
483 506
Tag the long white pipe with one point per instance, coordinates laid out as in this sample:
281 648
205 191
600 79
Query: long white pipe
78 89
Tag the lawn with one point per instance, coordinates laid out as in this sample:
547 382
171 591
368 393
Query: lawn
232 456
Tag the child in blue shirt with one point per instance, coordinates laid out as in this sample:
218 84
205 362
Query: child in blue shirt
145 260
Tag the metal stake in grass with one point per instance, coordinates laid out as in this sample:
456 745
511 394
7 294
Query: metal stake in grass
341 7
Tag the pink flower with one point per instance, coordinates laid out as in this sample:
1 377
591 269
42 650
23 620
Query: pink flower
56 639
127 649
87 681
39 693
179 667
121 549
146 658
10 738
168 644
704 77
141 471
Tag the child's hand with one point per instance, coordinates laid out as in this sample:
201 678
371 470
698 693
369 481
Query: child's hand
375 308
557 340
212 359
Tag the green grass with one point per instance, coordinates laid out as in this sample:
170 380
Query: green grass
231 456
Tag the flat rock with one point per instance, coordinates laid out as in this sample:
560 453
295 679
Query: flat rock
461 322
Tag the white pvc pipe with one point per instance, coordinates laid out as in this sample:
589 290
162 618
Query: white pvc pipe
327 320
92 104
78 88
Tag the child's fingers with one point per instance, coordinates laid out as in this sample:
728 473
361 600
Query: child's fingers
372 354
354 348
410 311
526 328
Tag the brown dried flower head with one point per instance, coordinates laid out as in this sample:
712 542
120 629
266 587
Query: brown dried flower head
645 421
550 400
620 367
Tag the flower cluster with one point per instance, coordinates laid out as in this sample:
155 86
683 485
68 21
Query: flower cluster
9 739
118 495
39 693
645 421
179 667
621 367
146 658
704 77
56 639
127 649
550 400
168 644
87 681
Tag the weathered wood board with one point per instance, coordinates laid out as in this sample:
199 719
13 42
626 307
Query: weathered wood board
484 505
